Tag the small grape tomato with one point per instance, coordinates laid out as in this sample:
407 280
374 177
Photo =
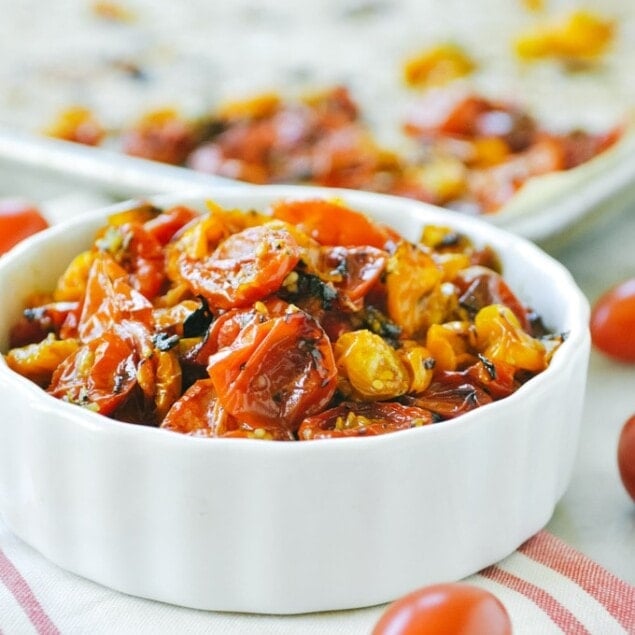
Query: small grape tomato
626 456
445 609
613 322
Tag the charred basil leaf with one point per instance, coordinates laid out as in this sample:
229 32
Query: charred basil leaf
197 322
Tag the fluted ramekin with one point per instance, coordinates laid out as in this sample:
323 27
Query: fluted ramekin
247 525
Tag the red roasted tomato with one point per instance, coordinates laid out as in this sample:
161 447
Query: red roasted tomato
99 375
246 267
275 372
333 224
359 419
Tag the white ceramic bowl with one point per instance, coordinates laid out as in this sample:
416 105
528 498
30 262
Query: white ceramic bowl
246 525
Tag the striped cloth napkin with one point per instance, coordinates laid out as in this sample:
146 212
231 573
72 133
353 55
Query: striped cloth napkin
547 587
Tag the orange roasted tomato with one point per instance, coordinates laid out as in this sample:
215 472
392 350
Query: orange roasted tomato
200 413
276 371
245 267
443 609
18 220
332 224
99 375
315 324
357 419
139 253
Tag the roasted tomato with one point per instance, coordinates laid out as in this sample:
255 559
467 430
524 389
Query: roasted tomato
451 394
359 419
354 271
369 368
613 322
165 225
480 287
99 375
18 220
497 378
161 135
223 331
38 361
199 413
443 609
246 267
450 345
501 338
275 372
139 253
159 378
71 285
111 303
411 281
53 317
333 224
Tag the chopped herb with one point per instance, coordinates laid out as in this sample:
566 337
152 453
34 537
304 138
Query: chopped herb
308 284
197 322
379 323
489 366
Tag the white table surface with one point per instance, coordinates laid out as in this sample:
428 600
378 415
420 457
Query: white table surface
596 515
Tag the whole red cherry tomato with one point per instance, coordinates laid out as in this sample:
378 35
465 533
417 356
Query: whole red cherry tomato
613 322
18 220
446 609
626 456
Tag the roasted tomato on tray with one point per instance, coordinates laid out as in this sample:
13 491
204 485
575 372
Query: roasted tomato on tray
305 321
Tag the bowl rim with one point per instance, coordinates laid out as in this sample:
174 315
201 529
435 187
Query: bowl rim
577 311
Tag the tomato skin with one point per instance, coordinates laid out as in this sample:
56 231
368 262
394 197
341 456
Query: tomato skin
626 456
37 321
333 224
363 419
111 303
276 372
100 374
140 253
613 322
18 220
246 267
166 224
199 413
362 267
445 609
451 394
481 286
